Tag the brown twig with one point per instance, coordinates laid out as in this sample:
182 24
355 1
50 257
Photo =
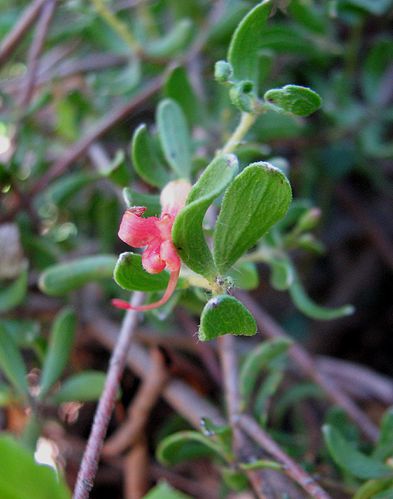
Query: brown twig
184 399
90 458
290 468
41 31
136 477
266 483
272 329
140 408
226 345
12 40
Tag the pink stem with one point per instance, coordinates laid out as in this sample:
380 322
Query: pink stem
174 277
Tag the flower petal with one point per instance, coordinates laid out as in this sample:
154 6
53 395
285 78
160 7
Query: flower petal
169 255
152 260
137 231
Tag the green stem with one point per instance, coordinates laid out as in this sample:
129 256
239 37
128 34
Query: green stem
246 122
121 28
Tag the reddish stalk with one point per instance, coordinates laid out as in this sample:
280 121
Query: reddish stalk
89 465
13 38
290 468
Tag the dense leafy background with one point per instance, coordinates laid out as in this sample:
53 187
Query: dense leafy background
66 152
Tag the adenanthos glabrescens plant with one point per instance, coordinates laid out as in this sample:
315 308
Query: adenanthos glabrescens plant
255 198
207 202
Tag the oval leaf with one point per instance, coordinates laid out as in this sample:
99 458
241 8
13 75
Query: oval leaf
245 275
350 459
59 349
294 99
65 277
187 230
384 447
246 42
175 448
14 294
22 478
252 204
165 491
172 42
224 314
83 387
130 275
259 359
146 160
174 137
179 88
11 363
282 275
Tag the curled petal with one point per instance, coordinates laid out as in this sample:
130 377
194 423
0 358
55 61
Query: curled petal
137 231
173 196
169 254
174 277
152 260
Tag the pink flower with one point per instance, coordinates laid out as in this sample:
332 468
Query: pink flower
155 235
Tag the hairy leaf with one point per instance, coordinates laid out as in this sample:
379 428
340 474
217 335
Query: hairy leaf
252 204
225 314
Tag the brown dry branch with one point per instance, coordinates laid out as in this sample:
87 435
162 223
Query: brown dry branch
12 40
102 416
136 465
266 483
270 328
290 467
140 408
183 399
41 32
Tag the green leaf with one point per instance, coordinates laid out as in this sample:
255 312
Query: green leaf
246 42
146 160
22 478
6 395
234 479
259 358
174 41
384 447
187 231
130 275
62 190
376 7
84 387
165 491
178 88
294 99
245 275
252 204
24 332
311 309
224 314
350 459
175 448
371 488
14 294
282 275
62 278
375 66
59 349
174 137
149 201
11 363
